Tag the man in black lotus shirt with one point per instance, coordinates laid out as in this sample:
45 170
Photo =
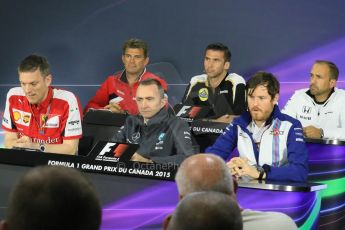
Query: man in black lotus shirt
224 92
162 137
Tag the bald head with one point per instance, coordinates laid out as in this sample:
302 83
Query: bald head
206 210
204 172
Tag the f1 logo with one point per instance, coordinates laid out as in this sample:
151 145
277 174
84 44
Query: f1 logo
106 149
183 110
117 152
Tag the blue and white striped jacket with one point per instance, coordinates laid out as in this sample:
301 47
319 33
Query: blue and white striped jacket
282 153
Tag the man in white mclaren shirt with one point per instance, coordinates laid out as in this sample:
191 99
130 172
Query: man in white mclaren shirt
320 108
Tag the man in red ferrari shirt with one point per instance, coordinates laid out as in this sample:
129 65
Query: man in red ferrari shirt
117 92
38 116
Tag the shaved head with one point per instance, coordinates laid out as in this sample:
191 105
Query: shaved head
204 172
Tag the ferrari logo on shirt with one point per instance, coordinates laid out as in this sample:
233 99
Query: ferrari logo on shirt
44 118
50 121
203 94
20 117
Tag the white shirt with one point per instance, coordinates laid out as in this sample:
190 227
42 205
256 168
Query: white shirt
330 116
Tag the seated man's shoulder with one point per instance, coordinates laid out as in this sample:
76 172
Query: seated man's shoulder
341 92
301 92
287 118
116 76
115 79
133 120
64 94
269 220
236 78
18 91
173 119
175 123
202 78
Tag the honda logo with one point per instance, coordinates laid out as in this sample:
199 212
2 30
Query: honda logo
306 109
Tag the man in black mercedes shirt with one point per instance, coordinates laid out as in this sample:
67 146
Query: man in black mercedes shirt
162 137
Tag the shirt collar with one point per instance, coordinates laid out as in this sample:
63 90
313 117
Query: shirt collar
123 76
157 118
45 103
320 103
223 80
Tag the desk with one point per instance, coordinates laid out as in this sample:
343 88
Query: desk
136 201
327 166
300 201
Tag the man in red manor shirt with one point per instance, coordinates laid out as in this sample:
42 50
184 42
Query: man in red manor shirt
38 116
118 91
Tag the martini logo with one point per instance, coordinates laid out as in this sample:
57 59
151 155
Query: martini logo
276 132
203 94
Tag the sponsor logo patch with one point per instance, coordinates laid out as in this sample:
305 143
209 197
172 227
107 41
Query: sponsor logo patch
300 139
50 120
17 115
276 132
135 136
161 136
26 118
203 94
5 120
73 109
76 122
306 109
22 118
